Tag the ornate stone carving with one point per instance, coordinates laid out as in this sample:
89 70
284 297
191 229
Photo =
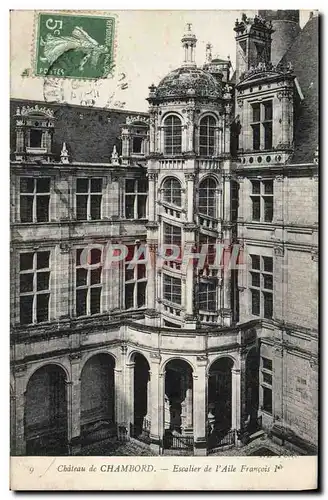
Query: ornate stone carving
124 349
64 247
20 370
315 255
279 250
190 176
114 157
137 118
279 178
279 350
285 93
35 110
64 156
152 176
74 356
316 156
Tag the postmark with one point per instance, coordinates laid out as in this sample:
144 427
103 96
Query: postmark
74 46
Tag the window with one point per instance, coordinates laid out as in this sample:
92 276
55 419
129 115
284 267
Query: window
137 145
35 138
88 198
262 201
262 125
207 198
88 283
210 241
207 136
172 289
34 199
135 198
261 278
207 296
171 234
135 278
266 384
34 275
172 135
172 191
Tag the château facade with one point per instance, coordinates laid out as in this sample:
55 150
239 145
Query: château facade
164 264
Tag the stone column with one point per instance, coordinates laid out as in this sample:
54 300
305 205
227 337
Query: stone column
19 446
119 398
189 403
129 395
148 416
157 404
235 400
199 408
74 408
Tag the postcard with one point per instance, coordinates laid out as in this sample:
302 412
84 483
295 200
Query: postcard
164 250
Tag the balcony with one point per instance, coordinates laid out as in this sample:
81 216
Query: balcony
171 164
208 164
208 222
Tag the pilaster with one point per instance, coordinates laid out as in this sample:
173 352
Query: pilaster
157 401
199 407
236 401
19 444
73 391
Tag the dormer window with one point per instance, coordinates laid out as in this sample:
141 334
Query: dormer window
137 145
35 138
34 131
262 125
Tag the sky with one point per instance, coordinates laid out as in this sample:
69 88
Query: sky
148 46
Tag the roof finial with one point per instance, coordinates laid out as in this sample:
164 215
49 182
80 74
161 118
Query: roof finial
189 43
114 157
64 156
209 52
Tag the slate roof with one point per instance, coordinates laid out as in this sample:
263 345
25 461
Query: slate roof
90 133
304 56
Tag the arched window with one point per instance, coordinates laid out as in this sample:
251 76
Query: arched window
172 191
207 200
172 135
207 136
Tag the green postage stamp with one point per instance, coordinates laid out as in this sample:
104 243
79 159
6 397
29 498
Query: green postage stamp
74 46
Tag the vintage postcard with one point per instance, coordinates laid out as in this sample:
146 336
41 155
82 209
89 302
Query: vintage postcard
164 250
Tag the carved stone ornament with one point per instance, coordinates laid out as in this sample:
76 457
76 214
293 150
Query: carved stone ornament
190 176
279 251
137 118
64 156
64 247
114 157
35 110
75 356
